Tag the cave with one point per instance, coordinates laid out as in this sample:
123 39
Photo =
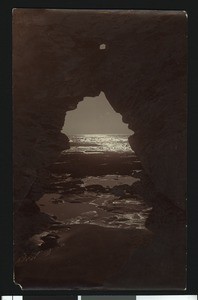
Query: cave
138 59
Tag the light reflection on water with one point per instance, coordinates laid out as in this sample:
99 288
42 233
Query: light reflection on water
99 143
116 209
105 210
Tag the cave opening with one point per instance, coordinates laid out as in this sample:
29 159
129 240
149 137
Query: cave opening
102 47
91 229
95 180
95 119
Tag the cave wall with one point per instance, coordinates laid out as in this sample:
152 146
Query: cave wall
57 62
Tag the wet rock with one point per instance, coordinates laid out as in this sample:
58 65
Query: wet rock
59 226
96 188
50 241
75 190
75 201
54 217
90 214
57 201
121 219
63 187
118 191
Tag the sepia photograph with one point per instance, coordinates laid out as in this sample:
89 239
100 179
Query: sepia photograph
99 149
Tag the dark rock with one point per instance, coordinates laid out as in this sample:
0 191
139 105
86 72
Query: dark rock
57 201
63 74
50 241
96 188
28 208
143 75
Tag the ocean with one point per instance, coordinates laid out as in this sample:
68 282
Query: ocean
102 195
97 143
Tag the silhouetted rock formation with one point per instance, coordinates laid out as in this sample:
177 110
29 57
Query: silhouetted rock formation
57 61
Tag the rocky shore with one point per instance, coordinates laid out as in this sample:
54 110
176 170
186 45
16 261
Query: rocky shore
96 228
63 64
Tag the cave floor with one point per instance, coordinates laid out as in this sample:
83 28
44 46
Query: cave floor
106 201
98 226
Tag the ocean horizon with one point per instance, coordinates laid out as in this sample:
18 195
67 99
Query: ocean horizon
88 142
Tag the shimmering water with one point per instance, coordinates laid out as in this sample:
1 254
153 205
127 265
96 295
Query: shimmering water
114 208
104 210
99 143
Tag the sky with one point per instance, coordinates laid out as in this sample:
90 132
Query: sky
94 115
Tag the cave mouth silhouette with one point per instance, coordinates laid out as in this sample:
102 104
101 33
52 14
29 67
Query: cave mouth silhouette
63 64
87 199
98 168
